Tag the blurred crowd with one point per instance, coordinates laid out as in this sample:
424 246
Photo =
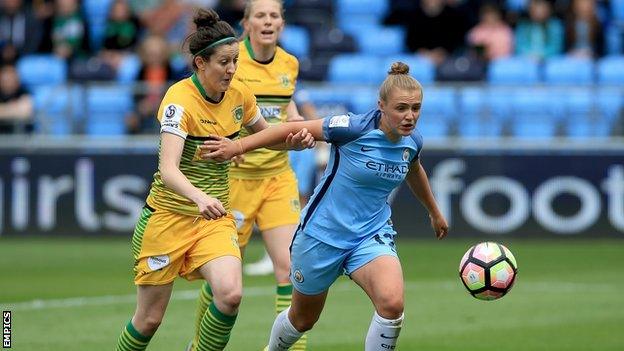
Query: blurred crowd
475 31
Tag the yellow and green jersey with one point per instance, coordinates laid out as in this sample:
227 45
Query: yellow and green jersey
188 112
273 84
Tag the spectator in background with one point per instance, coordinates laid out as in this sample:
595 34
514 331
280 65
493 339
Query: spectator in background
69 31
492 38
583 31
540 36
433 29
20 31
154 74
166 18
232 12
121 33
16 105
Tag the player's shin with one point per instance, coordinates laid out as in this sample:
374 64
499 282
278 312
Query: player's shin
283 333
131 339
205 299
283 299
383 333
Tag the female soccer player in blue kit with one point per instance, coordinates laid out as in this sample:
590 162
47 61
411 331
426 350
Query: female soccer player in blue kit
346 226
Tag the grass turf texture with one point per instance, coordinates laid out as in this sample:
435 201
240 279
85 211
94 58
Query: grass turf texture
77 294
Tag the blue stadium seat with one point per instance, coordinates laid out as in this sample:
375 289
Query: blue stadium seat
513 70
363 100
610 102
129 69
610 70
613 39
296 40
354 68
587 127
329 100
473 126
304 165
421 67
577 102
96 13
568 71
617 10
439 103
380 40
431 127
107 107
58 109
361 7
516 5
535 101
472 102
41 70
499 102
533 126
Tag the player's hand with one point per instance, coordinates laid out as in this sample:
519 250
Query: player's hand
301 140
238 159
439 225
210 208
218 148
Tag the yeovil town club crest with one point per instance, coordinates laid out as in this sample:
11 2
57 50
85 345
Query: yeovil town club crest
237 113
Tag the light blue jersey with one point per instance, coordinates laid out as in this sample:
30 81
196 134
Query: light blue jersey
350 203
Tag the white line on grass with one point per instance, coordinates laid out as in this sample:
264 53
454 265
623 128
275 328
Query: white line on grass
526 287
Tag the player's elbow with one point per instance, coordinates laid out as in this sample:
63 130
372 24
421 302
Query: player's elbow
166 174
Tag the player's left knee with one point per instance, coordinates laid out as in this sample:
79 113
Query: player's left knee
391 307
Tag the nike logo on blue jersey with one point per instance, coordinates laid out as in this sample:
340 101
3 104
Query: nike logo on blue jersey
367 149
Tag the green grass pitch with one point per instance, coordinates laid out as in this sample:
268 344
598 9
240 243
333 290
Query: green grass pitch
77 294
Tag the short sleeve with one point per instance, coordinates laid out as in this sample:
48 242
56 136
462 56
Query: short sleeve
418 140
250 107
342 129
172 116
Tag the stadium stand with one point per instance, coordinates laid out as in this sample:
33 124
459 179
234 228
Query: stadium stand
345 51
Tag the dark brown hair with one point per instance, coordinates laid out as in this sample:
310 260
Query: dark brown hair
210 29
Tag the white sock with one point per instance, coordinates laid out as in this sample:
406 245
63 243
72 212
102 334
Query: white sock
383 333
283 334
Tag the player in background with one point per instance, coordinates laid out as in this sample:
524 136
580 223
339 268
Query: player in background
346 226
263 188
186 227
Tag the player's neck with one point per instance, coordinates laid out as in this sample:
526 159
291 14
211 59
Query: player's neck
392 136
263 53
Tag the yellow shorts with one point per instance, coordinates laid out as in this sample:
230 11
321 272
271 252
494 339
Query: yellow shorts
167 244
270 202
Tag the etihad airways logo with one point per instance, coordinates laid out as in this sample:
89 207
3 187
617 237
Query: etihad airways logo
388 170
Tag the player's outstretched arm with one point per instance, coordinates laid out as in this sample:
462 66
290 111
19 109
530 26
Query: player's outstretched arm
419 185
169 166
221 149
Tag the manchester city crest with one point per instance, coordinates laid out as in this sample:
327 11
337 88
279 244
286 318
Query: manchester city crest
298 276
406 155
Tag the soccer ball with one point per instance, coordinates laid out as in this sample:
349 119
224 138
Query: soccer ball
488 270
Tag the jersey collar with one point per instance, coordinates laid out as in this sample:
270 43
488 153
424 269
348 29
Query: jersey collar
253 56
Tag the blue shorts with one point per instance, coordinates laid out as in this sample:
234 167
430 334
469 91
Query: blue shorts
315 265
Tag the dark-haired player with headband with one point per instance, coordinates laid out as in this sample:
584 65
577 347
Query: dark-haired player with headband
263 188
186 227
346 226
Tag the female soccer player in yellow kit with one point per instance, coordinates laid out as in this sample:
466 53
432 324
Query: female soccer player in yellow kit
263 187
186 227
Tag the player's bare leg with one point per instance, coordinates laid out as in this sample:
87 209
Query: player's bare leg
300 317
382 280
152 301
